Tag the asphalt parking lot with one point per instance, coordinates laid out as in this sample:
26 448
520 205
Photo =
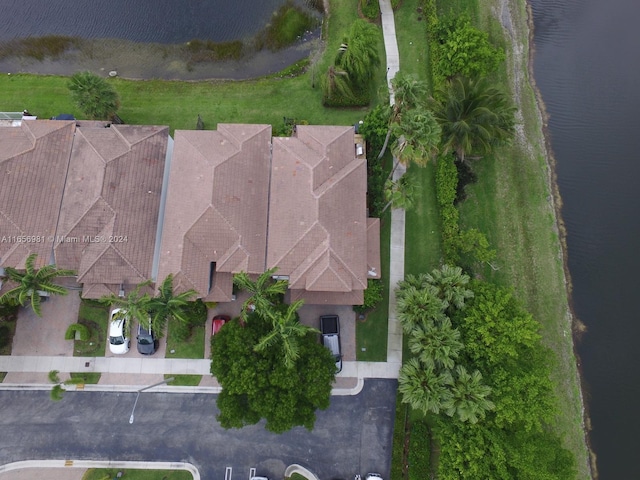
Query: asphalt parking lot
353 436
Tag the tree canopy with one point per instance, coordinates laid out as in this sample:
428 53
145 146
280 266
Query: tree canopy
27 286
97 99
474 116
462 49
257 384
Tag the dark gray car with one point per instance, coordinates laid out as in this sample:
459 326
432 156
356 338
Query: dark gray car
146 341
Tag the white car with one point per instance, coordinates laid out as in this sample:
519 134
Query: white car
119 341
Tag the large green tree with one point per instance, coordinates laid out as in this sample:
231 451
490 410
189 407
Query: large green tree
286 332
475 117
358 54
423 387
461 49
257 384
27 286
97 99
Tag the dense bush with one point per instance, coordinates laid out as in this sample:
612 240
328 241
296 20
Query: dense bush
419 466
197 313
83 332
372 296
458 48
374 129
446 186
370 9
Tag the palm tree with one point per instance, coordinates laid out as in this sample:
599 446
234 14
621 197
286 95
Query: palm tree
474 116
408 92
451 284
423 388
135 305
416 306
286 329
264 292
399 193
167 305
417 135
337 84
468 400
32 283
437 345
93 95
358 54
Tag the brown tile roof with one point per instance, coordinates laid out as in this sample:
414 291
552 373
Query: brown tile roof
317 211
216 206
354 297
33 163
109 215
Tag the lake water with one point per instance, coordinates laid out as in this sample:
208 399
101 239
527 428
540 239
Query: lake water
162 21
142 38
587 67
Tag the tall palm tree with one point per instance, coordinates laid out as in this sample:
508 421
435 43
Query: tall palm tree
286 329
135 305
167 305
264 292
358 54
423 388
417 135
408 92
32 282
469 396
451 284
416 306
474 116
437 345
399 193
94 95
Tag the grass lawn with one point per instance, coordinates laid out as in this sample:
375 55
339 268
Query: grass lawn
184 380
87 377
133 474
177 104
192 347
96 317
371 335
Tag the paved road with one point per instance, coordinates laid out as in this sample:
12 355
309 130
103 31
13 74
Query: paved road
352 436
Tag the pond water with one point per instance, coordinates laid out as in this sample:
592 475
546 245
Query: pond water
150 21
142 39
588 70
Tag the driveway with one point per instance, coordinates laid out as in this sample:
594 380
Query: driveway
353 436
45 335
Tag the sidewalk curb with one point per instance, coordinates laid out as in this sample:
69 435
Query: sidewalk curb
101 464
161 389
